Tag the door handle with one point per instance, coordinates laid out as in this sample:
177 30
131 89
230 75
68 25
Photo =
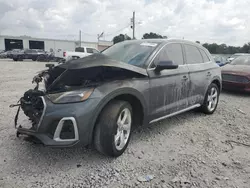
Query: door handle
184 78
209 74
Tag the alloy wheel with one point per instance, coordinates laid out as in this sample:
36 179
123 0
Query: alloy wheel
123 129
212 99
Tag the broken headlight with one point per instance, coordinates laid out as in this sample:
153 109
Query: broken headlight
71 96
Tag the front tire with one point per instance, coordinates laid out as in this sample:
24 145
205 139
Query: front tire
113 129
211 99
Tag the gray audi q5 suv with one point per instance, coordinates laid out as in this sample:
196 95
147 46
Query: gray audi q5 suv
100 98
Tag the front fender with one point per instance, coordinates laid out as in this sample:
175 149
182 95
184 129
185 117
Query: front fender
111 96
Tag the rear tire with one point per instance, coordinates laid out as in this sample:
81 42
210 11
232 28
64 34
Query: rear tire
113 129
211 99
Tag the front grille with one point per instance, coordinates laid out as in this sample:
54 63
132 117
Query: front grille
234 78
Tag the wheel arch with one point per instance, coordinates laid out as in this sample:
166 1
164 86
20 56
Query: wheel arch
127 94
217 81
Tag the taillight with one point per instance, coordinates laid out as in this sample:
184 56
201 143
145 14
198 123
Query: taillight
64 54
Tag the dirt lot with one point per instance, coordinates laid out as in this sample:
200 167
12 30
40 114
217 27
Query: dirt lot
190 150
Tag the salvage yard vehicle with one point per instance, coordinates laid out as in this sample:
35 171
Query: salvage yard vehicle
220 60
28 54
234 56
79 53
10 53
3 55
236 75
99 99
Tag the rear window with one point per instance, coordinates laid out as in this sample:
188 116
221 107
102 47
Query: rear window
79 49
204 56
192 54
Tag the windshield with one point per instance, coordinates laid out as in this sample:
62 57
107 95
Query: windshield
242 60
134 53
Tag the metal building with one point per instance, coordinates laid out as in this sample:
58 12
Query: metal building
26 42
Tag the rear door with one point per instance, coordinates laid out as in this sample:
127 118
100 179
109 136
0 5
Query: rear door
199 66
169 88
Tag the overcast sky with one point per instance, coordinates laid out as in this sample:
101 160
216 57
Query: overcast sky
221 21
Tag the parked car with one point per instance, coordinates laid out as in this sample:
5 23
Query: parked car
12 52
236 75
27 54
235 56
79 53
220 60
99 99
3 55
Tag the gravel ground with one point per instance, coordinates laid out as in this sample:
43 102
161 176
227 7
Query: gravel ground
189 150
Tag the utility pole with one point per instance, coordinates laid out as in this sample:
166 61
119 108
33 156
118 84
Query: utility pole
80 38
133 25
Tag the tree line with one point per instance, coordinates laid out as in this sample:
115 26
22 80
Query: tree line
224 49
212 48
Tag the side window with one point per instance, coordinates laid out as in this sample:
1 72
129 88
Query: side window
174 53
192 54
204 56
90 50
171 52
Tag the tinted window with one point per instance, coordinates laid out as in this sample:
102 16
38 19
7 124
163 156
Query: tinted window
204 56
193 55
171 52
90 50
79 49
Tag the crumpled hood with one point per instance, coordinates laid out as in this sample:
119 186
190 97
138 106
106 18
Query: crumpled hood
241 69
89 71
100 60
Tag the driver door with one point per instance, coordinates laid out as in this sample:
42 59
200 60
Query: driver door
169 88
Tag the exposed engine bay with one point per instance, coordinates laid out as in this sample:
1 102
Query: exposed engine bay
32 106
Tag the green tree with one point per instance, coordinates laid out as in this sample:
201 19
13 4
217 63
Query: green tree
224 49
152 35
120 38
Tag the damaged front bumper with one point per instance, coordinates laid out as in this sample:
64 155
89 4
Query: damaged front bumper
61 125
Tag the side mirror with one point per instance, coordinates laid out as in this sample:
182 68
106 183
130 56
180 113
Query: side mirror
162 65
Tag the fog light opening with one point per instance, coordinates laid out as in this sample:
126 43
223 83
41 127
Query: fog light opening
66 130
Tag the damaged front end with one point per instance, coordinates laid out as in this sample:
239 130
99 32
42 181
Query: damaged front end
59 101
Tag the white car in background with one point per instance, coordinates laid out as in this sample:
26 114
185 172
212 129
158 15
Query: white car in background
79 53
